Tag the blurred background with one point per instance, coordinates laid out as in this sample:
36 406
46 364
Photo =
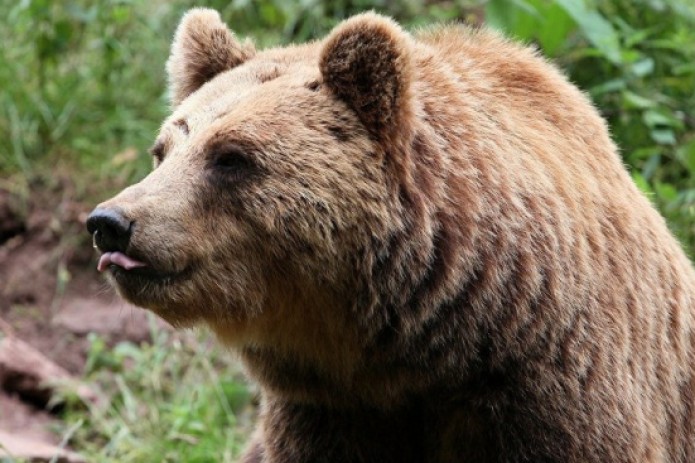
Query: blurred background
82 93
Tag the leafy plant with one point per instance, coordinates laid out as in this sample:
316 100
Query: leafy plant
176 399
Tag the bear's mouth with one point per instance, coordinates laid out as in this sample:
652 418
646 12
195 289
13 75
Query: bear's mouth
118 259
129 271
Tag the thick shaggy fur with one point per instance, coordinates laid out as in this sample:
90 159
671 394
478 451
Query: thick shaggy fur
425 249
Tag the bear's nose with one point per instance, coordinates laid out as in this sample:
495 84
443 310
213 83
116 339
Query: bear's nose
111 230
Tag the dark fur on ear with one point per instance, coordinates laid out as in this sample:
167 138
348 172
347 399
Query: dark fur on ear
203 47
366 62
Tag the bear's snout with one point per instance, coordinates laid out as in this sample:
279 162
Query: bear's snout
110 229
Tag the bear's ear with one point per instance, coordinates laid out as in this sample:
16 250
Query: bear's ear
366 62
203 47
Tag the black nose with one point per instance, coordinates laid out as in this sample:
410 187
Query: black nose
111 230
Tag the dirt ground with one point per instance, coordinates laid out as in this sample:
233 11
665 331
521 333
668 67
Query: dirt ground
51 296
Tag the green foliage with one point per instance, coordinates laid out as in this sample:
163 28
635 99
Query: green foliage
83 82
278 21
77 84
177 399
637 61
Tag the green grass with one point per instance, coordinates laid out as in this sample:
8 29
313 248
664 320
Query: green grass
179 398
84 81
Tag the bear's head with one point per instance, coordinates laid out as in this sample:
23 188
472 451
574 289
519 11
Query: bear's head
273 178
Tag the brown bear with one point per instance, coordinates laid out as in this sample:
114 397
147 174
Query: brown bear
425 248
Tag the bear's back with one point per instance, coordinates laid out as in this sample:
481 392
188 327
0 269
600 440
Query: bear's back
579 269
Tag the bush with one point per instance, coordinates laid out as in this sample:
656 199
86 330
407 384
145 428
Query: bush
177 399
84 85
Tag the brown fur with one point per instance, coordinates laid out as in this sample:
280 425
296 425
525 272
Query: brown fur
425 249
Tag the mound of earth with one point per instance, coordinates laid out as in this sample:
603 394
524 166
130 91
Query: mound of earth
51 298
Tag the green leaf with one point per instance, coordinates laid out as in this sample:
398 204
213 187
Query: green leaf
686 154
665 191
630 56
654 118
633 100
642 183
683 68
643 153
595 28
663 136
643 67
608 87
636 37
556 28
516 17
651 166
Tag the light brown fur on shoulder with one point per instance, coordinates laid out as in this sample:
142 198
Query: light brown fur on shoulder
424 247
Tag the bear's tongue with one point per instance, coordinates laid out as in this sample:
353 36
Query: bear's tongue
118 258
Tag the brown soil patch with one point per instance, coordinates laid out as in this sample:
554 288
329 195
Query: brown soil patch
51 296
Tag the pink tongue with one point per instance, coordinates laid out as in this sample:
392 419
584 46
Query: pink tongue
117 258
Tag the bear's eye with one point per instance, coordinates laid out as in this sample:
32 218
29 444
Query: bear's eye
232 161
